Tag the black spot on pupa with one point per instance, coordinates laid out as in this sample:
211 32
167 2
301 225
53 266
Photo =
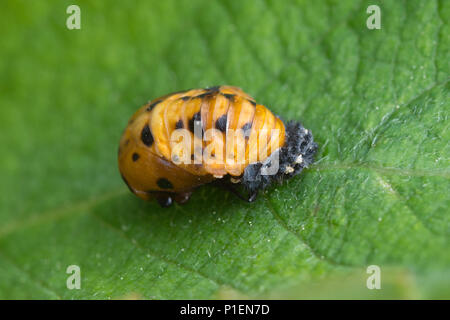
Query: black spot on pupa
163 183
204 95
179 124
221 123
246 128
252 102
135 156
196 121
229 96
150 107
210 91
146 136
185 98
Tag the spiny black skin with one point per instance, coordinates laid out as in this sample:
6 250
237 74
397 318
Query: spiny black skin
298 142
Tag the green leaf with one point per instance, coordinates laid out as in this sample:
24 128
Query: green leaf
377 102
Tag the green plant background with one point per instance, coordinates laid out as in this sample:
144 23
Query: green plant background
377 102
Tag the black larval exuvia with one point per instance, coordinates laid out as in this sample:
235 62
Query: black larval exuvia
297 153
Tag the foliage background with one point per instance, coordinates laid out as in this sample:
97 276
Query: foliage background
376 101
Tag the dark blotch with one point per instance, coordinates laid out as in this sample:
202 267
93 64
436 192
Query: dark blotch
179 124
196 118
221 123
163 183
252 102
146 136
150 107
185 98
210 91
246 128
135 157
204 95
229 96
